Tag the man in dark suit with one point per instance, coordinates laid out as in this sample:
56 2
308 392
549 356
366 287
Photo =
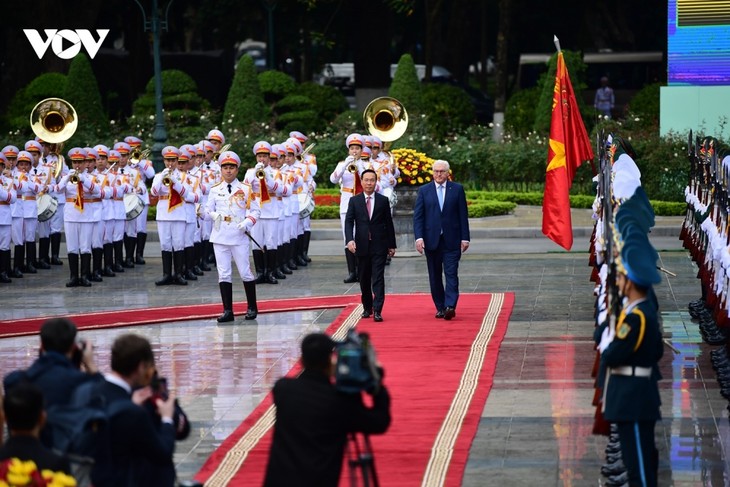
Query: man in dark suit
136 443
368 215
441 228
313 420
25 415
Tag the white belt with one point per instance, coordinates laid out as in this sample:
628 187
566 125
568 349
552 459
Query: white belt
632 371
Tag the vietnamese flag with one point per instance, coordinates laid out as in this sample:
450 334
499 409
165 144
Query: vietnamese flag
569 147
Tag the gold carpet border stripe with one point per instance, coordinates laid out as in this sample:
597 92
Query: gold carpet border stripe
443 447
235 457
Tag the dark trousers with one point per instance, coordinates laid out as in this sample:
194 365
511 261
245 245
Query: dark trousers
371 274
443 262
639 452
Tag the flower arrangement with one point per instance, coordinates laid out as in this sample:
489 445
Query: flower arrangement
16 473
415 167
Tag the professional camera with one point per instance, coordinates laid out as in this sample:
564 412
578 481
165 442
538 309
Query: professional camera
356 369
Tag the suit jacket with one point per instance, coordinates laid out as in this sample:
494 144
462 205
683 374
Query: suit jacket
136 442
312 423
30 448
429 221
373 235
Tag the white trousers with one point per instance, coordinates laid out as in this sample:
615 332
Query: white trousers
78 237
224 254
172 235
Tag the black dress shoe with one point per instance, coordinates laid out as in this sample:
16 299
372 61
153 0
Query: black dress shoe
251 314
56 261
366 314
440 314
351 278
204 266
449 313
139 260
179 280
226 316
377 317
43 264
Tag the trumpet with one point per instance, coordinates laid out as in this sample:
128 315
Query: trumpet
137 155
261 173
352 167
74 178
216 155
167 181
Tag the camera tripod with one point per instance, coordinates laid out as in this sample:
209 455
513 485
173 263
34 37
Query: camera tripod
362 459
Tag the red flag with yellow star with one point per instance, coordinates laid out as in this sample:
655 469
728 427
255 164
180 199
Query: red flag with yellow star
569 147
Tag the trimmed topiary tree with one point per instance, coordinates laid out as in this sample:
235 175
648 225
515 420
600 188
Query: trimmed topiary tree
180 98
47 85
519 115
82 91
328 100
450 109
577 72
406 87
245 103
275 85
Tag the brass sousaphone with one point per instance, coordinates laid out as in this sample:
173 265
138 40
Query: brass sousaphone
54 121
386 118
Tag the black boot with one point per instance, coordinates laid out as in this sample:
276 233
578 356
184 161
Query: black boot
85 270
282 252
259 265
253 311
196 260
269 277
141 241
210 253
203 259
73 265
128 262
56 248
178 259
118 256
307 236
300 260
189 264
227 298
276 271
166 269
96 267
44 247
19 257
351 267
30 258
291 253
5 266
108 260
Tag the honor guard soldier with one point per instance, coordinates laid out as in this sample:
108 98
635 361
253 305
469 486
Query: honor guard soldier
630 353
7 198
234 212
171 217
17 237
81 193
28 187
347 175
146 172
131 177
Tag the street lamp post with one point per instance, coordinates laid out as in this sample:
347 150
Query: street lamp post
270 5
155 25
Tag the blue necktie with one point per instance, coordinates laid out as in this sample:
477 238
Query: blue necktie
440 193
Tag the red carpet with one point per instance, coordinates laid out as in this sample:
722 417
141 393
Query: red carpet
439 374
134 317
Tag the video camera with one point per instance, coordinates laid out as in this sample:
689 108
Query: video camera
356 368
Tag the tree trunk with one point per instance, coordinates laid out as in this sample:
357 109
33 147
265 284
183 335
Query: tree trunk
505 32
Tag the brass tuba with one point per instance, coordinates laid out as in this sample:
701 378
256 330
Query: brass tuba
54 121
386 118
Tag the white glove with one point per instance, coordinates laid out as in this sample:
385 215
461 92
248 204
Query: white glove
165 172
606 338
245 225
259 165
214 215
71 172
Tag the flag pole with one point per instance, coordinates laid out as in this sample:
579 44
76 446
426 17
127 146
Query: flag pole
556 41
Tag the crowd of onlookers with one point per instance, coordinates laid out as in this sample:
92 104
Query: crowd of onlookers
125 419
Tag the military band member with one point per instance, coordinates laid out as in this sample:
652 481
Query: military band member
146 172
109 194
234 212
276 160
81 193
216 138
310 162
211 170
41 176
50 160
292 175
265 232
16 211
347 175
120 214
132 177
187 152
7 198
171 218
301 170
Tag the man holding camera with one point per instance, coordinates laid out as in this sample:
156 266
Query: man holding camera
64 363
313 420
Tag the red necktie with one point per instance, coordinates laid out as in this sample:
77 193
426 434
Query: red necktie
367 204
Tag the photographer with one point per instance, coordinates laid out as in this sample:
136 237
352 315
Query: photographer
313 420
63 363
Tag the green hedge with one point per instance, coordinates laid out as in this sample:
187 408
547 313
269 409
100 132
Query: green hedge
326 212
490 208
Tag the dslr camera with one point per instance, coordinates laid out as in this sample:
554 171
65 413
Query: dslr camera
78 354
356 369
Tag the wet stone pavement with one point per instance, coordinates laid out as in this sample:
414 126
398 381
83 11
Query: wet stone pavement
536 424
